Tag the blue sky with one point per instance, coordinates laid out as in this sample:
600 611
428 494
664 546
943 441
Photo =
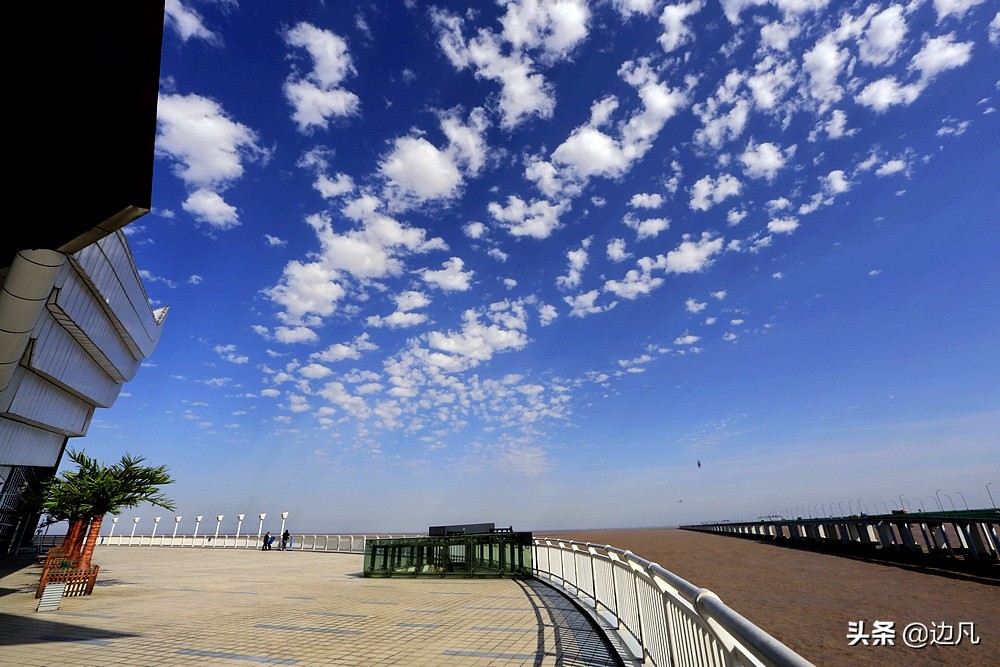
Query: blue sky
531 262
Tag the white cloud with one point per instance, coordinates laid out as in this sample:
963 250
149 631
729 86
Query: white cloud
577 259
706 192
836 182
883 37
299 334
764 160
687 339
734 216
537 218
228 352
694 306
403 317
647 228
940 54
308 288
771 80
504 330
585 304
329 188
676 32
274 241
341 351
952 127
546 29
474 230
823 64
994 30
208 150
371 251
692 256
418 169
315 371
646 200
720 294
891 167
318 96
887 92
451 278
785 225
836 127
209 207
187 22
592 150
635 283
628 7
616 250
957 8
724 114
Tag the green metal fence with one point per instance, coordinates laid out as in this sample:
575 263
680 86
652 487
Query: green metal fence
506 554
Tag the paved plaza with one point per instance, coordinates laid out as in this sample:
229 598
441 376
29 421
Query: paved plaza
186 606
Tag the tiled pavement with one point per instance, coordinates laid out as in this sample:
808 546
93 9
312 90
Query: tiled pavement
184 606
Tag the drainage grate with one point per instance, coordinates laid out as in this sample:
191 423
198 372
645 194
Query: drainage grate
51 597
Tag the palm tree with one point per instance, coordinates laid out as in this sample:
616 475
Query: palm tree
86 495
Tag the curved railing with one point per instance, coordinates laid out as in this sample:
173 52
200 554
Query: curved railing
663 619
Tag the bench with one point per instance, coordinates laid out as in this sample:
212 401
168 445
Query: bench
78 581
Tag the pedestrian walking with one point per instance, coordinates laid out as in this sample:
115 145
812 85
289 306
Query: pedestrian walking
266 546
285 536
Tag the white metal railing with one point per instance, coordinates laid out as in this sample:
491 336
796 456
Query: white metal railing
663 619
354 544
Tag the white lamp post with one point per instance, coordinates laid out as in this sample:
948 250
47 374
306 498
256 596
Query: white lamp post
135 523
239 524
114 522
177 522
284 515
156 522
218 522
260 528
197 522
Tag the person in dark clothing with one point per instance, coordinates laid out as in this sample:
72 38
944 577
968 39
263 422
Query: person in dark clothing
285 536
266 546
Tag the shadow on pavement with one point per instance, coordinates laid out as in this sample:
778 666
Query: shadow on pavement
40 629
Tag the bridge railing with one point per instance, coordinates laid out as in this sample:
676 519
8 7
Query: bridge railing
663 619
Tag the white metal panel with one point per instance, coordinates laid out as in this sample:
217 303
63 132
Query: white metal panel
111 268
41 402
77 308
23 445
56 355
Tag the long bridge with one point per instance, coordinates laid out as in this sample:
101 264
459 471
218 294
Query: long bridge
964 540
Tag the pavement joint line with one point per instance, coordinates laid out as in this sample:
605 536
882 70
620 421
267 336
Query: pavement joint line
501 608
419 625
506 629
333 613
236 656
295 628
425 611
81 613
71 640
483 654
